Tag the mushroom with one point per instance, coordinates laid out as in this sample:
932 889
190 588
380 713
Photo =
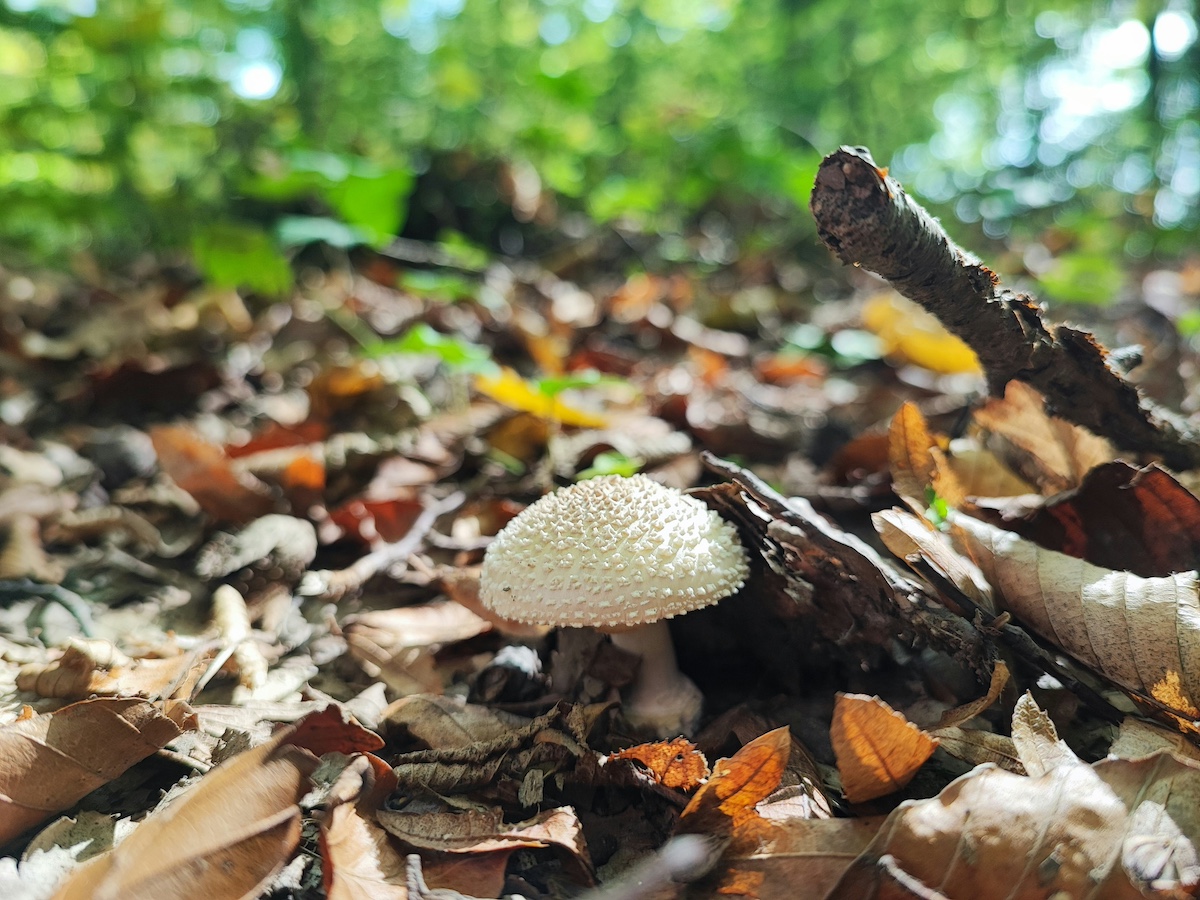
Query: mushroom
622 555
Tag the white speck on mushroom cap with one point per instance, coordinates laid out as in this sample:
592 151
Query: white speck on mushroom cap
611 551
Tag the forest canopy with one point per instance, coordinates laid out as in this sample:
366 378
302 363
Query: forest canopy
242 129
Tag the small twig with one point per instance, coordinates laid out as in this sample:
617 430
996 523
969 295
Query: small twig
22 588
1016 639
868 220
336 584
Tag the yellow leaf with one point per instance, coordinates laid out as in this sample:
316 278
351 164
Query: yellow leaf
515 392
910 333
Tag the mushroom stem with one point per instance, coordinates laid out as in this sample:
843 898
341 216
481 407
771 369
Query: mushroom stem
663 700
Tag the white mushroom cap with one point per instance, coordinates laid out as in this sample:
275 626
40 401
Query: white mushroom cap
611 552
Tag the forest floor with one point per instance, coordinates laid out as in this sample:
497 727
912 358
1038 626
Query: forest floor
241 636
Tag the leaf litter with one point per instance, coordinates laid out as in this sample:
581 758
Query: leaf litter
242 651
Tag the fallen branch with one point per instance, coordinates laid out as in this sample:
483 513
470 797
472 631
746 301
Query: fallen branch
868 220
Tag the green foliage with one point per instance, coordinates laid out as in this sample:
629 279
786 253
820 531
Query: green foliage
140 122
236 255
610 463
459 355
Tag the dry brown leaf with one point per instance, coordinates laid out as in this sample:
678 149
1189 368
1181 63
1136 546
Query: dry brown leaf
982 474
1121 517
674 764
1054 454
910 456
1137 738
910 537
958 715
225 838
96 667
443 722
728 799
397 645
204 471
793 859
1143 633
1118 830
878 750
359 861
1036 739
483 832
49 761
977 747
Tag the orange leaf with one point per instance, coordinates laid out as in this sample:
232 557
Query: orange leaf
738 785
674 764
878 750
49 761
204 471
918 462
910 456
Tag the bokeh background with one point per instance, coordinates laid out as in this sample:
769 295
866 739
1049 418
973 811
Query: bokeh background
240 130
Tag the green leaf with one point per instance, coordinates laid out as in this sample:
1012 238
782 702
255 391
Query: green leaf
611 463
458 354
445 286
296 231
555 385
237 255
1083 278
377 204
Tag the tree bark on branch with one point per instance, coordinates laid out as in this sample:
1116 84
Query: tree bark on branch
868 220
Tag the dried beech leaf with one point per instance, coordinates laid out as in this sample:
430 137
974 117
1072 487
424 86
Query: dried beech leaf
918 463
204 471
49 761
1117 830
1137 738
878 750
792 859
1143 633
674 764
968 711
982 474
978 747
1036 739
909 537
1055 454
79 673
910 456
225 838
737 785
359 861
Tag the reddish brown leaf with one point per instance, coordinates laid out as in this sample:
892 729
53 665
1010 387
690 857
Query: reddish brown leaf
1121 517
204 471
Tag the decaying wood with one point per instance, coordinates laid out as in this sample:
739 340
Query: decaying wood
868 220
853 596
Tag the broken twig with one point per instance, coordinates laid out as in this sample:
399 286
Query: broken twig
868 220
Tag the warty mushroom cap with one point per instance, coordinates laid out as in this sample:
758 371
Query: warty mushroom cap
611 552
